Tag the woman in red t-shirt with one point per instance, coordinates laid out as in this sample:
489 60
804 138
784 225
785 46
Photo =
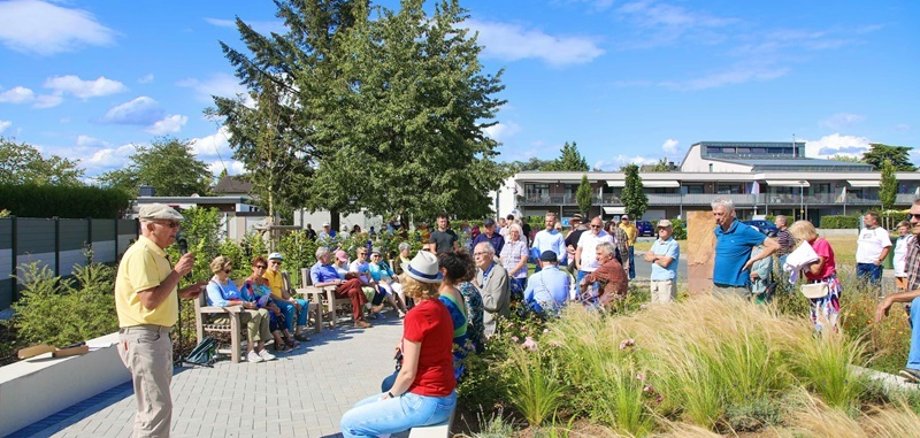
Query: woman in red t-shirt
423 393
824 311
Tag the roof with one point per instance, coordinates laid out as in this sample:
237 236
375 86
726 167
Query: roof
232 184
799 164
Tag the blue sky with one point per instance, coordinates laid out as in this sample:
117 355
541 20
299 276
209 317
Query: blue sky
629 81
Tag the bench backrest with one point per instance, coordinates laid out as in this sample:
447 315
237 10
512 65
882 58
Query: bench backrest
305 279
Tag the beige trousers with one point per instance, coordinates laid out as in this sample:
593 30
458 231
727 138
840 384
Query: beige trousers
663 291
147 352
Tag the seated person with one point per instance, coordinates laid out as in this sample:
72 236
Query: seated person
255 289
222 292
609 278
295 309
548 290
361 268
423 392
324 274
386 280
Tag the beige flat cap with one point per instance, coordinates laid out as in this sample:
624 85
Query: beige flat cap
159 211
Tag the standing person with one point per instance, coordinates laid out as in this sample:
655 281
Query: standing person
631 234
502 225
446 239
731 271
311 234
785 240
824 310
514 260
900 256
489 235
326 234
147 303
620 243
665 258
571 239
585 257
912 295
423 392
492 281
549 239
871 250
295 310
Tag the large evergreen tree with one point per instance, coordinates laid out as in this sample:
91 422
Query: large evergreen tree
898 155
570 160
634 199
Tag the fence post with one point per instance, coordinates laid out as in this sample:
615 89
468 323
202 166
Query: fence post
14 250
57 246
89 236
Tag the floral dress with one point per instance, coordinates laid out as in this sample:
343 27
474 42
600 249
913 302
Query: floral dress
261 295
475 331
462 346
824 311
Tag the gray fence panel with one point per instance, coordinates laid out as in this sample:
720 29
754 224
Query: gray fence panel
34 236
103 229
6 233
73 234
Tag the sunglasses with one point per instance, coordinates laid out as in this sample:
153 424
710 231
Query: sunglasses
170 224
915 216
227 271
260 266
275 263
596 226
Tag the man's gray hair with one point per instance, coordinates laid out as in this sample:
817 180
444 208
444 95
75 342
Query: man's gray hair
321 251
725 203
404 246
608 248
781 219
486 246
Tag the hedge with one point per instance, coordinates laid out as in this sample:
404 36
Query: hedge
839 222
63 201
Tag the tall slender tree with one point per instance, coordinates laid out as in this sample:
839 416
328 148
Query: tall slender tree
584 195
634 199
888 186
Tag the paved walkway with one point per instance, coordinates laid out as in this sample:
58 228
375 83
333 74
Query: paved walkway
302 394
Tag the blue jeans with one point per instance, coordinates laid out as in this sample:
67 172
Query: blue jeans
632 262
373 417
290 312
870 272
913 358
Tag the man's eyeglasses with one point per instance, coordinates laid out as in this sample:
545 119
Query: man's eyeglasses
596 226
480 253
275 262
170 224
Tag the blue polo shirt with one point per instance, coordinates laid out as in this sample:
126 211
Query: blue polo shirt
321 273
669 248
733 250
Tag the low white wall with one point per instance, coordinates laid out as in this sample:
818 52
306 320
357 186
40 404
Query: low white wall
854 233
33 389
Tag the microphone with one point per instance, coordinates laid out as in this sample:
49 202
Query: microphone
183 244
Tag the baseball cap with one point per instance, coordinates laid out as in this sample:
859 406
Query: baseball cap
488 222
341 255
577 217
548 256
275 256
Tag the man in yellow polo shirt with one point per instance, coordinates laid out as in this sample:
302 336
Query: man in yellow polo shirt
631 234
295 309
147 305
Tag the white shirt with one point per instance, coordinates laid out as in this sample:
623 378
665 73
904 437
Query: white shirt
900 254
588 243
870 244
361 268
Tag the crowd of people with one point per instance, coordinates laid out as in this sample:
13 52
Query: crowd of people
452 296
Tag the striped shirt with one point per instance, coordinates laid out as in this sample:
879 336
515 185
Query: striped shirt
912 263
786 243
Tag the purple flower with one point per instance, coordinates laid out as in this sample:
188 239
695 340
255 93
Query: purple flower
515 339
640 376
626 343
530 344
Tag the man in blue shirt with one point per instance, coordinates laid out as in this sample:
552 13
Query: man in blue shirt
731 272
548 290
550 239
489 235
324 274
664 257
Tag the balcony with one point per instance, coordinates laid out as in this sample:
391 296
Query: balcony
740 200
564 199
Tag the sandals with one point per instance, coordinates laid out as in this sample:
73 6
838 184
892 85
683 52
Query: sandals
302 337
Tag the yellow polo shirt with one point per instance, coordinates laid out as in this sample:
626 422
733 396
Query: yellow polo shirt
144 266
631 233
275 282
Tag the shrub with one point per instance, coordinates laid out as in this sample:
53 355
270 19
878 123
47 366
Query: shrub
822 363
535 389
63 201
60 311
839 222
680 229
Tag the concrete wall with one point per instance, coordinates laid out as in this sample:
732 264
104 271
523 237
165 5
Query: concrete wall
33 389
57 244
696 163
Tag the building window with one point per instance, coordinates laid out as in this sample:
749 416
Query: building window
728 150
694 188
743 150
536 191
728 189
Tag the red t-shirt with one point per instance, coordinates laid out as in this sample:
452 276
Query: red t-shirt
823 249
429 323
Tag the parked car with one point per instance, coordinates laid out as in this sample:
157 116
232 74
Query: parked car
645 228
764 226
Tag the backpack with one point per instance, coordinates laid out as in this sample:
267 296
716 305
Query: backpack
203 353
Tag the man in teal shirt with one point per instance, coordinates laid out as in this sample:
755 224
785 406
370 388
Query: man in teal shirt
731 272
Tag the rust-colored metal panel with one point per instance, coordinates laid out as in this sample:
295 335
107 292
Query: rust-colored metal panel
701 249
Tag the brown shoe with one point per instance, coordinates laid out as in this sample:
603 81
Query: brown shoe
362 324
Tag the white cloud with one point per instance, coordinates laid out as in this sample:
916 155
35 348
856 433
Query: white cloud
142 110
216 145
48 101
502 131
264 27
146 79
841 120
636 159
670 146
84 89
107 159
512 42
220 84
4 124
233 167
837 144
734 75
85 141
17 95
38 27
168 125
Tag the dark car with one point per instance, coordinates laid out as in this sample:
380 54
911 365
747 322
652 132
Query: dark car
645 228
766 227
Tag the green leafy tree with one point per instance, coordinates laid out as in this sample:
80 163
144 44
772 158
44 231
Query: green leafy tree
888 187
583 195
570 160
168 165
898 155
663 165
22 163
633 197
532 164
846 159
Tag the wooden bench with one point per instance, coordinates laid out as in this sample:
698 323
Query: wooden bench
319 295
203 315
440 430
